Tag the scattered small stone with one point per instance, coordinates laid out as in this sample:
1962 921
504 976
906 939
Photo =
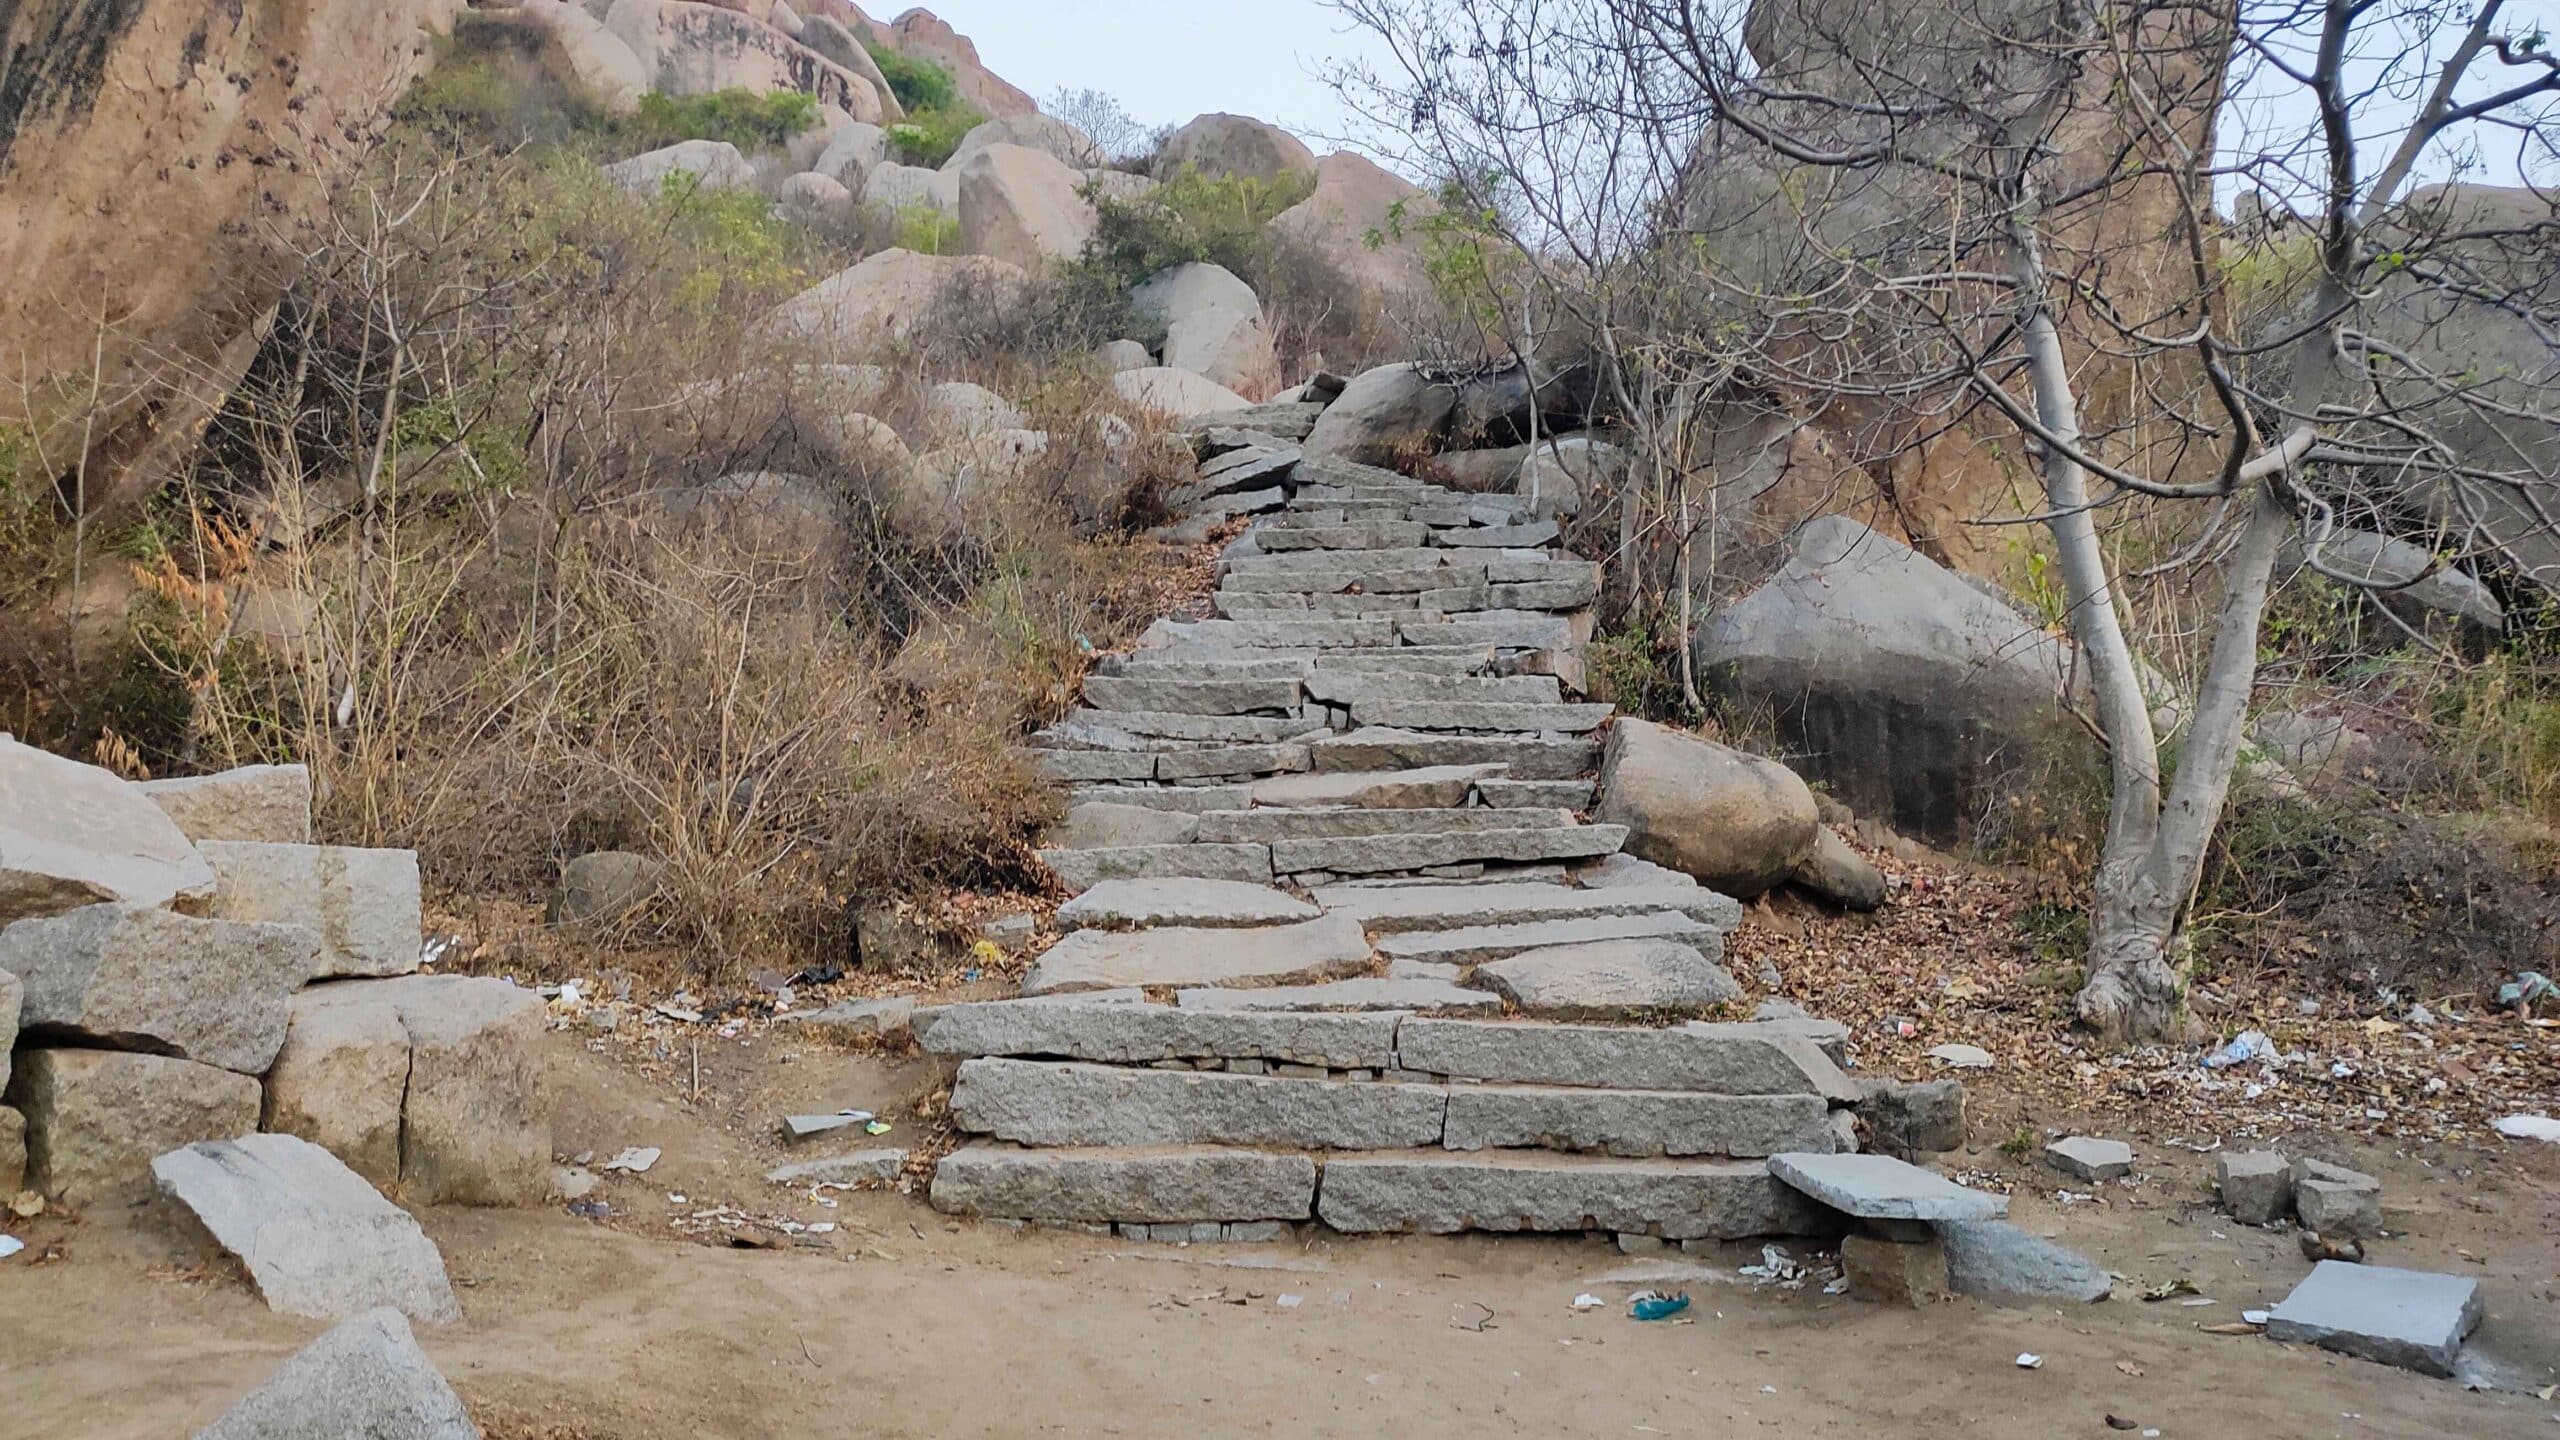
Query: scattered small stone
798 1128
2087 1158
1962 1057
635 1160
2256 1185
2337 1202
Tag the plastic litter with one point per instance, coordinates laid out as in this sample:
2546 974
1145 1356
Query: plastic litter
2029 1360
2528 989
10 1245
635 1160
1292 1302
2530 1127
1654 1305
2249 1046
1588 1302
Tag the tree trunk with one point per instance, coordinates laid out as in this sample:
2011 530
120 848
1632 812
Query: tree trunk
2136 988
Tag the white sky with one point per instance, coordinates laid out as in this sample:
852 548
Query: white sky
1166 60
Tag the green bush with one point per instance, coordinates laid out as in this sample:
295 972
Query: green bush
930 137
741 117
1193 217
918 83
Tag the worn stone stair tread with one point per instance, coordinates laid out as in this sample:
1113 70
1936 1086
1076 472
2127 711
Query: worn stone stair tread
1079 1027
1444 1192
1412 714
1147 726
1503 794
1521 537
1477 944
1146 666
1360 855
1312 634
1084 869
1430 787
1738 1059
1528 757
1191 697
1351 687
1087 766
1615 978
1074 1104
1554 596
1099 1185
1318 949
1228 504
1367 535
1398 993
1879 1187
1634 1124
1234 762
1509 629
1289 605
1273 823
1397 909
1191 799
1182 901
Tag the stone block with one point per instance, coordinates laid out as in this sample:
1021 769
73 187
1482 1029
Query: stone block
74 835
12 999
1197 904
1603 979
1537 795
2256 1185
1271 954
1079 766
1996 1259
1719 1060
95 1118
1162 1186
341 1079
367 1377
267 803
364 903
121 976
314 1237
1141 1034
2409 1318
1481 715
1084 869
1397 909
2089 1158
1909 1117
1268 824
861 1167
1879 1187
2335 1201
1446 1192
1393 992
1032 1103
1526 757
1377 854
1230 761
1634 1123
13 1151
1892 1273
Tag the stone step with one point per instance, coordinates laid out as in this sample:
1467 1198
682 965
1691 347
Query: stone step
1743 1059
1242 471
1442 1192
1613 979
1352 564
1367 535
1200 904
1165 725
1397 580
1233 762
1288 419
1076 1028
1504 629
1265 826
1251 452
1435 787
1249 605
1191 697
1335 470
1084 869
1471 510
1096 826
1429 660
1536 794
1191 799
1308 634
1369 856
1380 748
1340 687
1176 956
1475 944
1210 440
1147 665
1529 719
1403 993
1087 766
1501 537
1634 1124
1879 1187
1050 1104
1551 595
1103 1186
1400 909
1228 505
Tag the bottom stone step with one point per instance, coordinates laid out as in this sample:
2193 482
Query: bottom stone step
1439 1193
1151 1187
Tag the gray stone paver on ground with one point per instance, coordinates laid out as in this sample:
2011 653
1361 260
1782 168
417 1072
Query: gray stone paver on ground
1879 1187
2410 1318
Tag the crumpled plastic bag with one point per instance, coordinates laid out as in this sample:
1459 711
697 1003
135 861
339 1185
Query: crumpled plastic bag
2247 1047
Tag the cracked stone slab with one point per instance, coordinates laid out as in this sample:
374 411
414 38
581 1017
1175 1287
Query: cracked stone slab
1374 535
1398 909
1034 1103
1163 725
125 977
1610 978
1076 1028
1084 869
1433 787
1480 715
1475 944
2410 1318
1372 855
1200 904
1233 761
1272 954
1349 687
1445 1192
1152 1186
1526 757
1111 693
1879 1187
1716 1059
1272 823
2085 1157
315 1238
1392 992
1635 1123
1536 794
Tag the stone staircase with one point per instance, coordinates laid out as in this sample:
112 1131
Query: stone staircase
1344 949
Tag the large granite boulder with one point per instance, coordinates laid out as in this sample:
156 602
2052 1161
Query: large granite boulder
828 36
1208 322
923 34
1053 137
1910 694
697 49
1394 413
1234 145
577 45
1353 200
95 1118
1022 206
709 164
852 152
365 1378
814 200
1739 823
879 302
1177 394
73 835
124 976
898 191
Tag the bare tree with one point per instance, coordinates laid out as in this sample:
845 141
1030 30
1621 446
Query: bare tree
1910 220
1117 134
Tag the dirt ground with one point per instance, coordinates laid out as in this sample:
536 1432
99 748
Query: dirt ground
902 1323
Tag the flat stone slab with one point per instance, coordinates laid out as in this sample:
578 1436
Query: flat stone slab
1351 687
2085 1157
1166 725
1481 715
1376 748
95 1118
1445 1192
2414 1319
1393 992
1634 1123
1084 869
1475 944
1088 766
1187 901
1996 1259
1035 1103
73 835
1397 909
126 977
1536 794
1309 634
1190 697
1271 954
254 802
1347 822
363 902
1075 1028
1374 855
1716 1059
366 1377
859 1167
1188 799
1879 1187
1502 537
1101 1186
1432 787
1508 629
1373 535
1100 826
316 1239
1233 760
1609 978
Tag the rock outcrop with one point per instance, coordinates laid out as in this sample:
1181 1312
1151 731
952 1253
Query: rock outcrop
1738 823
698 49
1022 206
1354 197
878 302
922 33
1227 145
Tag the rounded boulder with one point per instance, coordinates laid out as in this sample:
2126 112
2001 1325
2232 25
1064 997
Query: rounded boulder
1738 822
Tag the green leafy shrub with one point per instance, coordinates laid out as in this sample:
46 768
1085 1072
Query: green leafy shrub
937 117
919 84
741 117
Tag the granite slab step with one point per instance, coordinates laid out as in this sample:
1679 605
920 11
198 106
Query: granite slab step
1102 1186
1380 748
1344 687
1536 719
1504 794
1401 993
2414 1319
1192 697
1399 909
1879 1187
1354 605
1084 869
1742 1059
1180 956
1614 978
1190 799
1372 855
1502 537
1145 665
1095 765
1367 535
1264 826
1635 1123
1199 904
1234 762
1434 787
1253 455
1076 1028
1405 579
1476 944
1419 660
1165 725
1533 566
1352 564
1288 419
1444 1192
1227 504
1338 633
1072 1104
